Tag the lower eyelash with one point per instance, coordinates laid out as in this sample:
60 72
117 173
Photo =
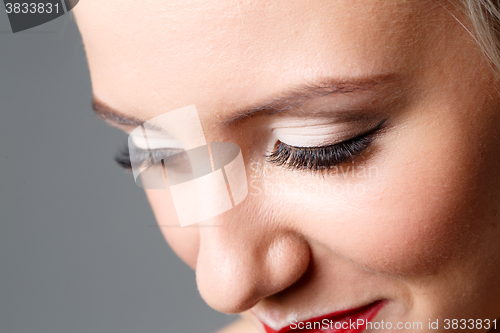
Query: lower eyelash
318 158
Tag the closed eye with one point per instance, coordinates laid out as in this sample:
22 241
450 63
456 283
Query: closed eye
129 156
321 158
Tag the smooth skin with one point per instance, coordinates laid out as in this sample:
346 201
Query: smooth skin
420 232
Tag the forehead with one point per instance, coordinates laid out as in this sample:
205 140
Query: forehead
162 55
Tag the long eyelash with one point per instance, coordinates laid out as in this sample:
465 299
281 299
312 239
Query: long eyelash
122 158
321 158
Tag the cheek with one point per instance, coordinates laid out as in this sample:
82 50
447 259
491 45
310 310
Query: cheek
411 223
185 241
429 205
422 209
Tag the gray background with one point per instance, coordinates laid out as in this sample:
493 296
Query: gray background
79 249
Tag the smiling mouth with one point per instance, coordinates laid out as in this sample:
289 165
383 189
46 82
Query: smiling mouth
346 321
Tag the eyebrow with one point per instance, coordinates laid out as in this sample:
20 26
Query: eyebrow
286 100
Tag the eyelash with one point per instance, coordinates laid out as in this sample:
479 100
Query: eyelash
321 158
124 160
300 158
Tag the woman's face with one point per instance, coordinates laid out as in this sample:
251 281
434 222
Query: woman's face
412 219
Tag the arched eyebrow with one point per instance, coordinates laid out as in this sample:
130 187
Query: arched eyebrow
113 116
289 99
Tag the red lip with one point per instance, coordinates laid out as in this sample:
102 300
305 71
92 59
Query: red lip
347 321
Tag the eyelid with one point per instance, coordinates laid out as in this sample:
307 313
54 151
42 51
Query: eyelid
322 135
133 155
322 158
156 141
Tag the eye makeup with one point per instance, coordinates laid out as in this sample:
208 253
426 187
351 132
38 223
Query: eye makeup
159 146
157 140
133 155
319 132
323 157
313 158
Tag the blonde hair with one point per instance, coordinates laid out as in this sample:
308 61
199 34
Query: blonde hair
484 17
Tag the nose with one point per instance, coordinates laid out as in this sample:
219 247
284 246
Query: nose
248 257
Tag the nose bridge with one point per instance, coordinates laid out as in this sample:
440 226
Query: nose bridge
246 258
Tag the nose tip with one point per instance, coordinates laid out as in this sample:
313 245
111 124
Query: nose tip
233 273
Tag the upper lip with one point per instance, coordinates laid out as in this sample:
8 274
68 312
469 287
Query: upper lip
334 316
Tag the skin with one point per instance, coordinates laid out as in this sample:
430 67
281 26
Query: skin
420 232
